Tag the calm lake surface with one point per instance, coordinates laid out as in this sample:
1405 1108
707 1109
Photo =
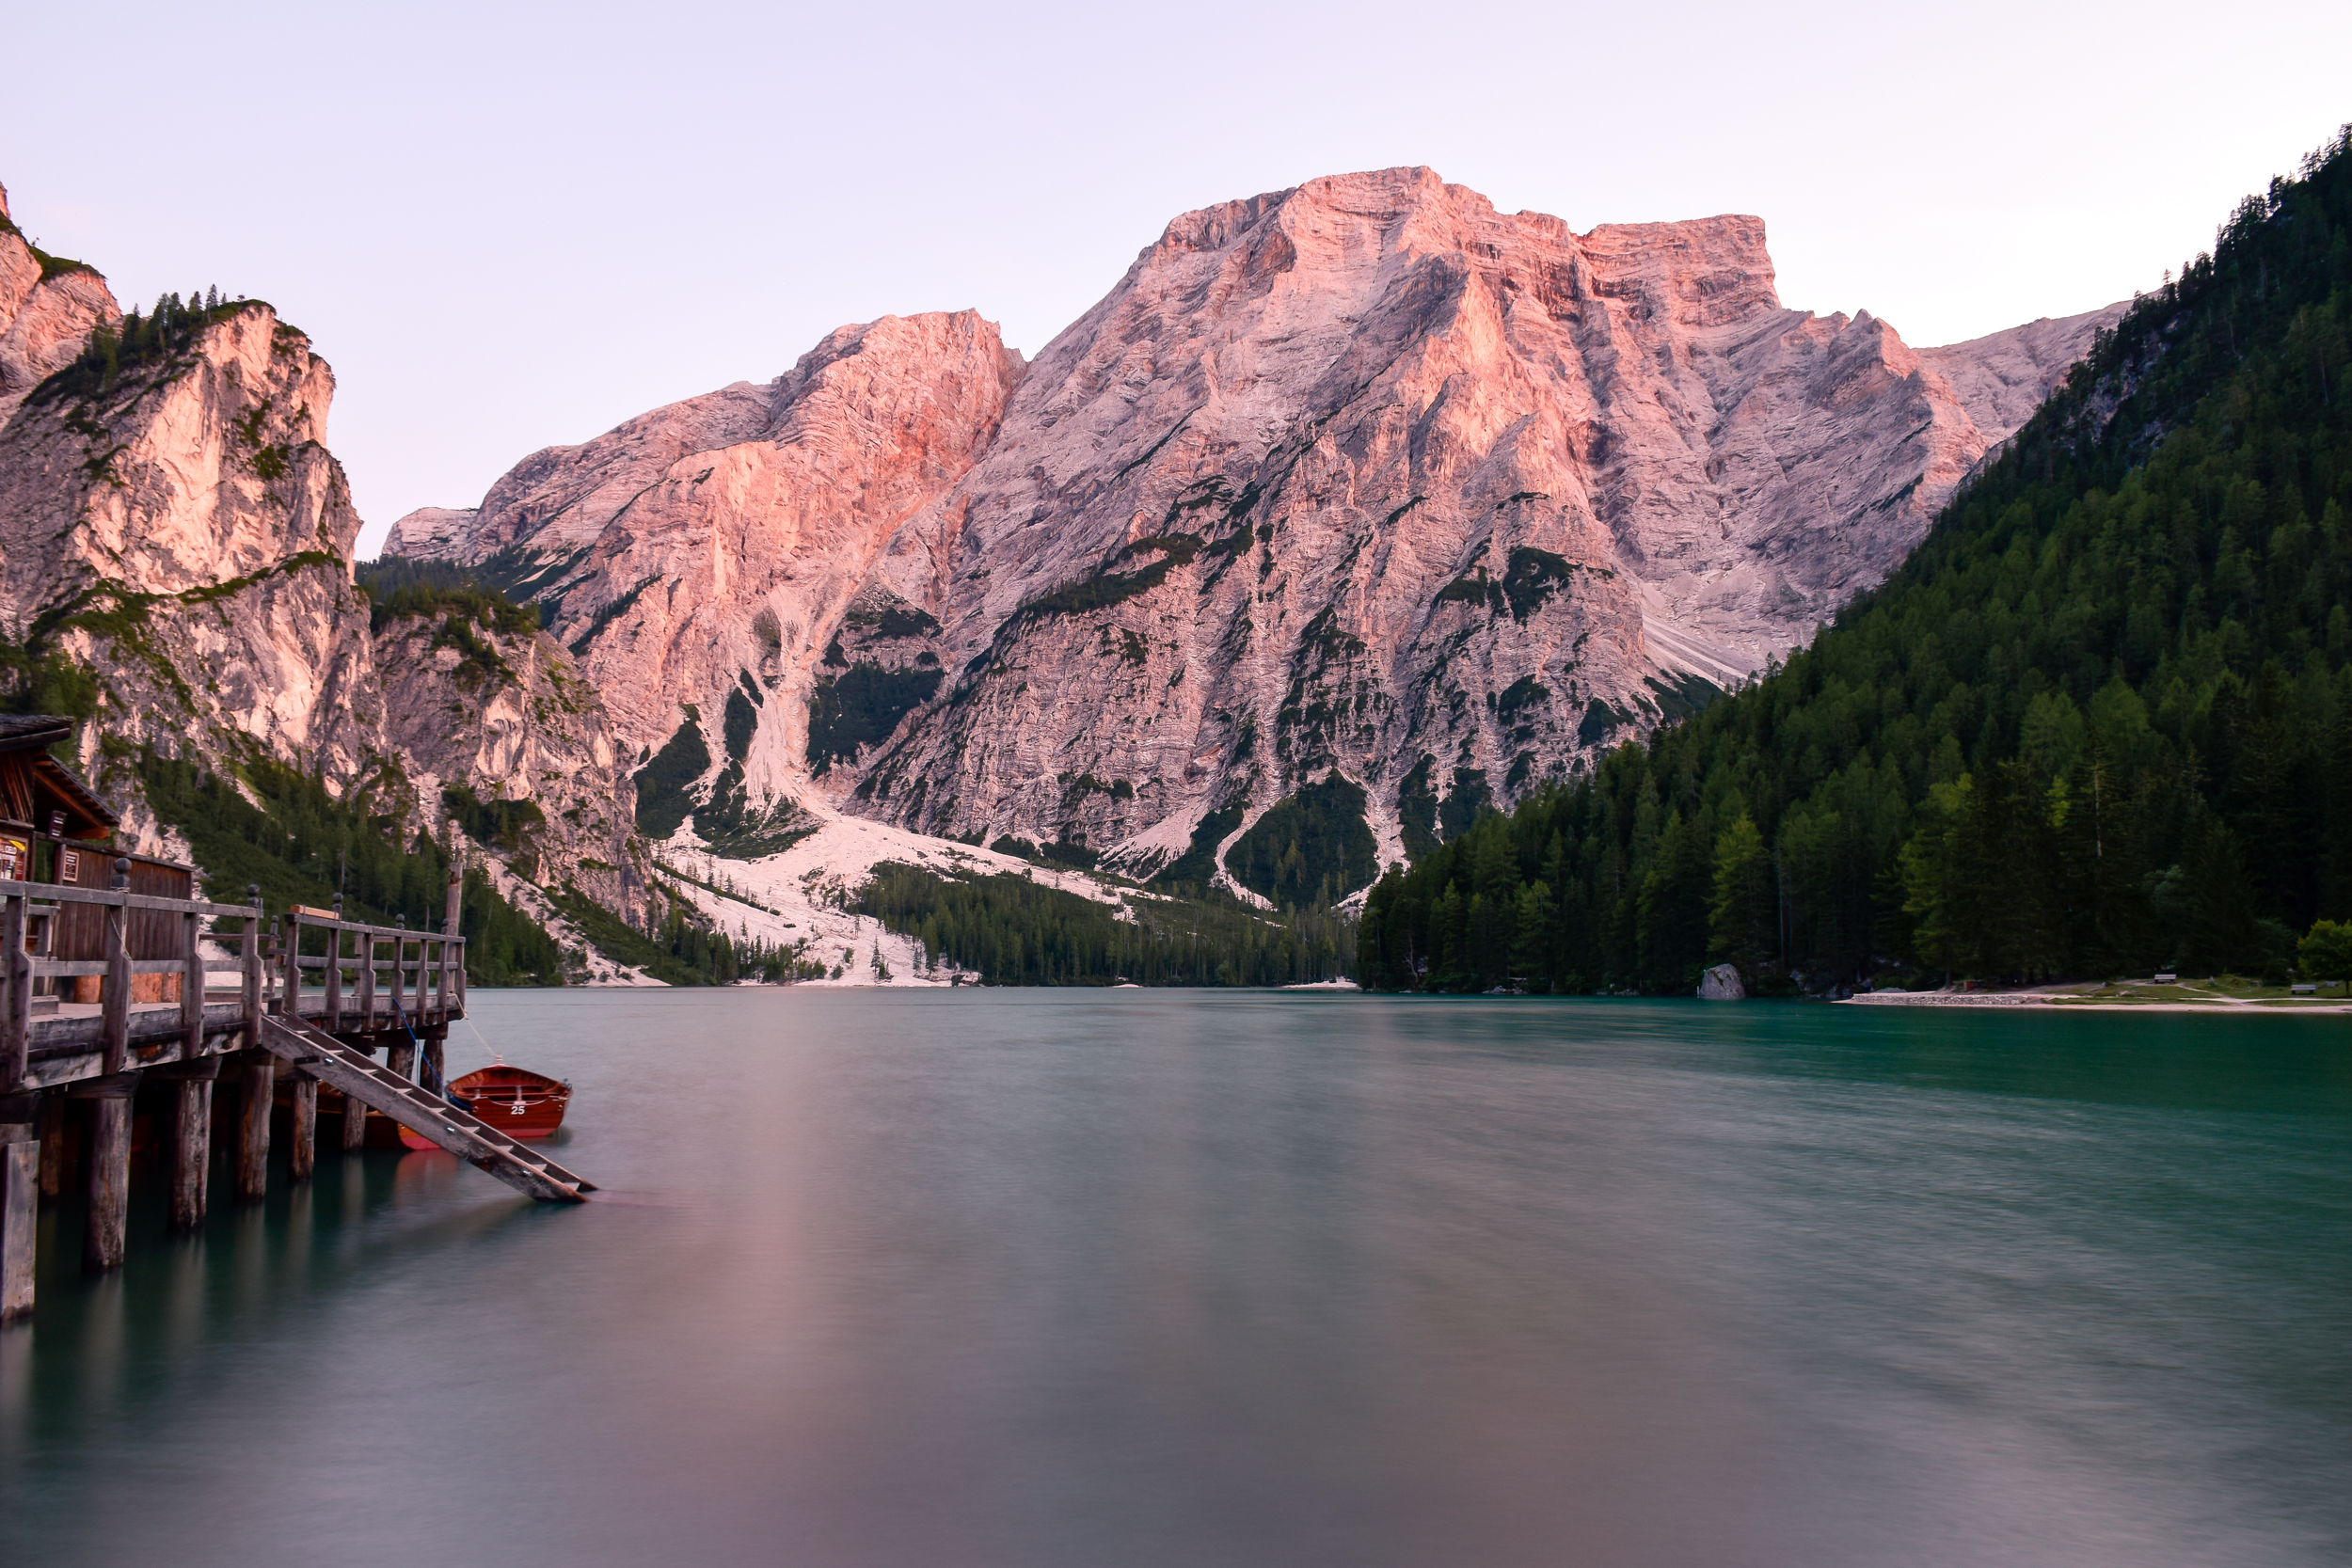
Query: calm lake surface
1045 1279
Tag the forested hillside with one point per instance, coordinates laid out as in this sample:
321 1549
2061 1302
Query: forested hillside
2101 721
1017 932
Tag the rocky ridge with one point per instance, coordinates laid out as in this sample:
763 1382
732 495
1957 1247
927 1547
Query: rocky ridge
1363 486
176 540
48 307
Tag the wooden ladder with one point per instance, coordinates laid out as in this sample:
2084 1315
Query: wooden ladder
456 1128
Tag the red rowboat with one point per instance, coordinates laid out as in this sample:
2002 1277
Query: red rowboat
516 1100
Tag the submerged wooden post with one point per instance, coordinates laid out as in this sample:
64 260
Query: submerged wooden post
303 1157
192 1143
257 1085
53 1148
104 1235
20 1201
355 1125
115 1010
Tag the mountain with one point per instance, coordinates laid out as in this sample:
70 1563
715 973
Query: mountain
175 565
1357 505
49 306
698 560
2099 722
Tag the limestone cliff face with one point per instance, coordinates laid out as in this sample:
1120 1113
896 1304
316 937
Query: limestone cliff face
47 311
716 554
504 717
183 530
1362 477
173 523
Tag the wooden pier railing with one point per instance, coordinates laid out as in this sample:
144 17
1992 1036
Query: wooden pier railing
304 997
357 977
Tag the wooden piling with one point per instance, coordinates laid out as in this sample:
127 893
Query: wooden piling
191 1153
355 1125
258 1081
20 1201
53 1172
107 1230
303 1157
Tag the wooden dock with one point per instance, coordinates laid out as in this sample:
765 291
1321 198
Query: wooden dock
305 998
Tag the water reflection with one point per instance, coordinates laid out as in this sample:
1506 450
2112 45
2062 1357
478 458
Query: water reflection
1035 1279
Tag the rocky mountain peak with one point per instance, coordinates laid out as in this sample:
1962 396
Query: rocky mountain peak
49 306
1360 485
177 537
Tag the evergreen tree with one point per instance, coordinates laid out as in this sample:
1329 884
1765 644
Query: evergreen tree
2102 718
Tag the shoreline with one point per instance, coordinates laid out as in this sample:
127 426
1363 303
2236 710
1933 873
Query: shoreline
2059 999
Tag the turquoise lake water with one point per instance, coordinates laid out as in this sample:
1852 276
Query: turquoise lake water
1046 1278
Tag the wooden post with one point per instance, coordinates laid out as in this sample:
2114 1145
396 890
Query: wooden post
116 997
399 956
191 1138
259 1082
355 1125
453 987
291 1003
334 979
104 1236
16 973
367 978
20 1201
436 1043
304 1156
401 1057
250 969
191 988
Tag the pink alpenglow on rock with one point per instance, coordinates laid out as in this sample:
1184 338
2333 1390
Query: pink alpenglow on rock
1361 478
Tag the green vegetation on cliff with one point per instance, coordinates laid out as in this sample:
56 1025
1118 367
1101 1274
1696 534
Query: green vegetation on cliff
280 829
399 588
151 340
2100 721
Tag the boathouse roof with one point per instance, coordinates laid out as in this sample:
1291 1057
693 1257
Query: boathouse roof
34 784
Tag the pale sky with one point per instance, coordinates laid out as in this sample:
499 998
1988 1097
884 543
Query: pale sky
512 225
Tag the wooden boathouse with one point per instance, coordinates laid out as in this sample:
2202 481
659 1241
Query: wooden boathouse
125 996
